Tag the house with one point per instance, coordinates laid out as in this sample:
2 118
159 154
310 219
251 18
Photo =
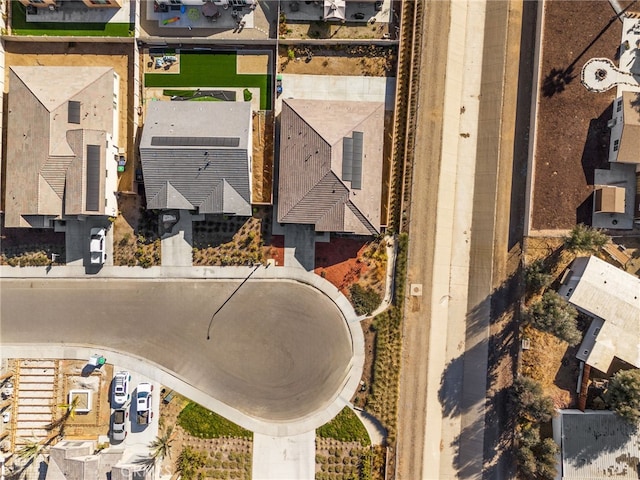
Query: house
78 460
625 128
54 4
62 155
330 169
611 297
596 445
197 156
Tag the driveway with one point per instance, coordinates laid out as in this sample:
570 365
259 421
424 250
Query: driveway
277 351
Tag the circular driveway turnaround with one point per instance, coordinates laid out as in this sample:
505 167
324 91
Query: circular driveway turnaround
278 350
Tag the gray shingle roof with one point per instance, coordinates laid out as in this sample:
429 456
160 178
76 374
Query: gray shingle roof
190 171
314 185
46 157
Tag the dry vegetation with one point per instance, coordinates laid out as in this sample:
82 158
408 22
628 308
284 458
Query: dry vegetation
221 240
368 61
30 246
135 235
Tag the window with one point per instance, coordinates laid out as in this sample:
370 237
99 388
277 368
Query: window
616 145
100 2
73 112
596 331
619 106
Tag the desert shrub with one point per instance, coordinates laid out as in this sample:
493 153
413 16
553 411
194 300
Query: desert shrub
585 239
346 427
364 300
529 403
536 275
553 314
623 394
189 462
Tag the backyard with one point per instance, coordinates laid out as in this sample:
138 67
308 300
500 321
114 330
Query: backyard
20 26
572 132
209 69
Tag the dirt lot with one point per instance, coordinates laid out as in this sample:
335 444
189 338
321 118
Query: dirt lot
118 56
573 138
368 61
322 29
262 161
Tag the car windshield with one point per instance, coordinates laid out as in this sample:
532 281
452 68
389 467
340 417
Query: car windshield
118 416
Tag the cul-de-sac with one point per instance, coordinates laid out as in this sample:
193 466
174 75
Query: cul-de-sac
320 240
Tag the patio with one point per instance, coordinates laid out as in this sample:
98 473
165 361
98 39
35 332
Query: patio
77 12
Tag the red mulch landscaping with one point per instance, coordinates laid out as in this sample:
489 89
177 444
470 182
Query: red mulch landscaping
337 261
572 133
276 249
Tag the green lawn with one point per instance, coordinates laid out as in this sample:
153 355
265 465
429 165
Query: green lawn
20 26
346 427
211 70
203 423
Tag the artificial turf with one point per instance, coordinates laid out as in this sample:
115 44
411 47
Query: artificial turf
203 69
20 26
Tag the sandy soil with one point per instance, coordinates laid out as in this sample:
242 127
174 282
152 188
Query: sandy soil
262 161
573 138
359 61
250 63
333 30
118 56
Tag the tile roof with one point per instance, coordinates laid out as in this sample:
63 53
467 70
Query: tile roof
313 187
46 157
184 162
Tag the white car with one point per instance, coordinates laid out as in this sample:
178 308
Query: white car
144 402
97 246
121 387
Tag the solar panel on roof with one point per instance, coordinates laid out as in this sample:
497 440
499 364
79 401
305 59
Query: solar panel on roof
92 202
356 162
73 112
347 155
195 141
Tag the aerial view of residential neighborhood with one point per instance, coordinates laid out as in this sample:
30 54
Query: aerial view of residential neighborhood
320 240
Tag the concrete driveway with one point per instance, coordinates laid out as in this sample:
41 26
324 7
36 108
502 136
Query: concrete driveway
278 350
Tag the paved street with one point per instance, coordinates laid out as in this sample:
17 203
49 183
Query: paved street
458 248
278 350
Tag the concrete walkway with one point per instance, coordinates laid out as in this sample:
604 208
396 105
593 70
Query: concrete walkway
299 246
177 244
284 458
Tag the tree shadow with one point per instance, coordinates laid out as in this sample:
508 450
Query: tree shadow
587 437
557 80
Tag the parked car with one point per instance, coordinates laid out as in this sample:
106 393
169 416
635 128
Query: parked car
121 387
97 246
118 424
144 402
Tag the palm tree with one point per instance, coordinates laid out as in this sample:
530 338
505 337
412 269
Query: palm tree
70 413
161 446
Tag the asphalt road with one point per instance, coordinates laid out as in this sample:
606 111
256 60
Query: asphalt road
278 350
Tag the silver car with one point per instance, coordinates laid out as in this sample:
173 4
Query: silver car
118 424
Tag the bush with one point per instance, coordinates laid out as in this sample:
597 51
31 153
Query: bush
554 315
536 276
365 300
189 462
346 427
529 402
623 394
585 239
203 423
